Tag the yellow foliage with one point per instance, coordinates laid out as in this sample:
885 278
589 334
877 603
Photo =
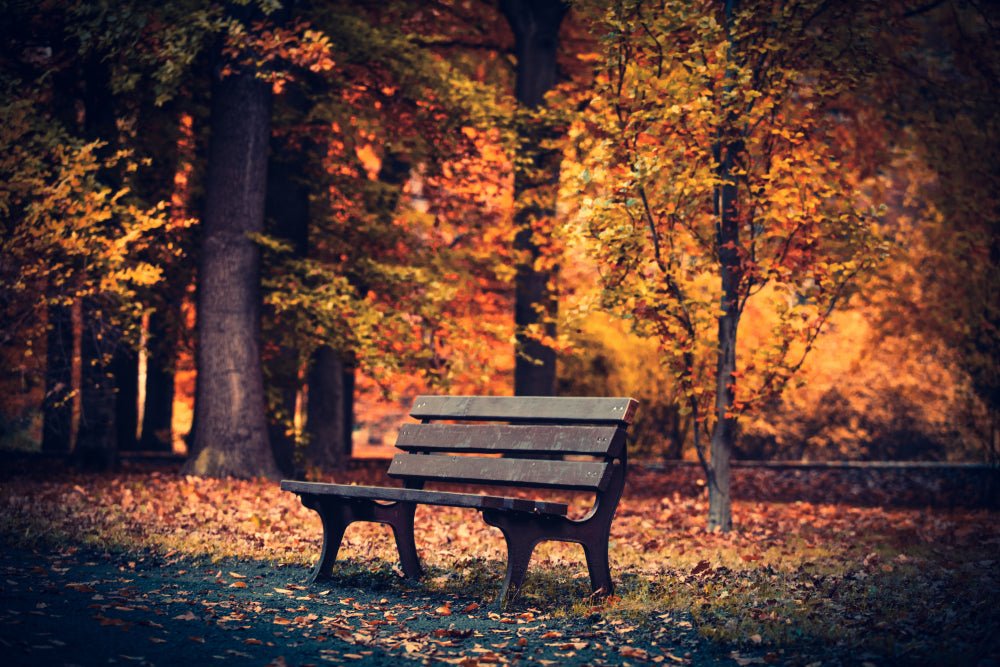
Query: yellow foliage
865 396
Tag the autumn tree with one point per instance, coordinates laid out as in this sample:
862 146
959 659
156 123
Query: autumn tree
376 156
941 84
62 73
87 69
536 39
57 247
230 436
716 172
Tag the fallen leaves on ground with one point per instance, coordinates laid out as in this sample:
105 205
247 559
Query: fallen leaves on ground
331 628
896 580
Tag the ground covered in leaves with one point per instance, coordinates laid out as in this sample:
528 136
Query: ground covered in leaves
145 566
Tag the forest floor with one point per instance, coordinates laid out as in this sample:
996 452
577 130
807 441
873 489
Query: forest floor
146 566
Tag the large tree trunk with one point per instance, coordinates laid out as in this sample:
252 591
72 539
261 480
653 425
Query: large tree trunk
230 432
535 24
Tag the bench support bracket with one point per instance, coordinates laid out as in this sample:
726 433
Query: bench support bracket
523 532
337 514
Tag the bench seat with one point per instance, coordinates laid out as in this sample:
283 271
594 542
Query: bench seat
425 497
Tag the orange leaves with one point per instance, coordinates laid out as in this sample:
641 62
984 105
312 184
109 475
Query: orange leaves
273 52
57 218
703 567
675 107
808 558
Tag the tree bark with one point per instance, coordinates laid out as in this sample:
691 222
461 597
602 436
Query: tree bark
723 435
329 410
101 342
287 212
158 407
96 441
230 433
535 25
125 368
727 150
57 406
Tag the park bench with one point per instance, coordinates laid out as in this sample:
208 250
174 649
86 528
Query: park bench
537 444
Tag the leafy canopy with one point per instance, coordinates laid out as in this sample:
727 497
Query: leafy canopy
680 89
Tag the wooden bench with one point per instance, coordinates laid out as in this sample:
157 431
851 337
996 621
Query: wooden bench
534 443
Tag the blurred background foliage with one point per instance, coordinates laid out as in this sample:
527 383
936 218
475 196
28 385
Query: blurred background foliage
409 133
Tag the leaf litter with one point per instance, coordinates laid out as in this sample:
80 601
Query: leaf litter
795 583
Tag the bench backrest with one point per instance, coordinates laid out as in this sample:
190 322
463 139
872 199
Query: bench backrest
500 439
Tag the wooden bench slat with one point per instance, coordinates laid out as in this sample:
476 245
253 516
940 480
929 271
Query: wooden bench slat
602 440
450 499
569 475
527 408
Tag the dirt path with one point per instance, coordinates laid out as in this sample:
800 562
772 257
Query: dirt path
99 609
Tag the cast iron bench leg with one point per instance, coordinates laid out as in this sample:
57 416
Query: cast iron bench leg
524 532
335 517
521 536
400 519
599 568
338 514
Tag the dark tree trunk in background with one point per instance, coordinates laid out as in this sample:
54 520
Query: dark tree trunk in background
230 431
57 407
535 24
330 407
287 210
96 441
329 411
160 135
158 410
125 368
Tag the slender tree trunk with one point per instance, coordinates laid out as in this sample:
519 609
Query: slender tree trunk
727 150
280 418
57 407
535 24
160 134
96 440
287 212
230 432
158 408
125 368
329 411
723 435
